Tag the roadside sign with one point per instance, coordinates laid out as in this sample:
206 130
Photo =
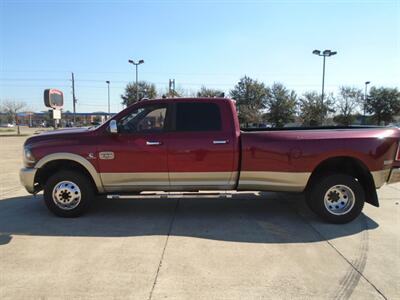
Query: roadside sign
56 114
53 98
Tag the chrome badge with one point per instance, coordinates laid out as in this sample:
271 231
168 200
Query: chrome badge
91 156
106 155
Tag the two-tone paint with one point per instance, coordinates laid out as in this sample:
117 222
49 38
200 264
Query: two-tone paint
228 159
290 156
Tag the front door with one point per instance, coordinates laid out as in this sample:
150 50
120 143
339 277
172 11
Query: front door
201 148
135 159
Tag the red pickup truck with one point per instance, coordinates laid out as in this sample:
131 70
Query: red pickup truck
193 144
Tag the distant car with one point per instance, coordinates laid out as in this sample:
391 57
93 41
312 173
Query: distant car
10 125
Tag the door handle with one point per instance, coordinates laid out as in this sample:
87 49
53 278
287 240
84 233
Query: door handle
220 142
153 143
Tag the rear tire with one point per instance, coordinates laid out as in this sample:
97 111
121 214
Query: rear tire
68 194
336 198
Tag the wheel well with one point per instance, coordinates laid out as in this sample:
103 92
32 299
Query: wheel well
44 173
350 166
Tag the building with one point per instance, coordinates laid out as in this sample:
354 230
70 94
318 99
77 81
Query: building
44 119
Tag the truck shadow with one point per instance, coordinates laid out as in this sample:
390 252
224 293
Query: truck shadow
249 218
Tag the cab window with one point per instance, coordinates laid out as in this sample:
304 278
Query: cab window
145 119
198 117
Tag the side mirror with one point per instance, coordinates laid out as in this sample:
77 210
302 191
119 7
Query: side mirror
113 126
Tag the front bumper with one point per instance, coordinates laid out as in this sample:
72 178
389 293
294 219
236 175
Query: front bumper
27 179
394 176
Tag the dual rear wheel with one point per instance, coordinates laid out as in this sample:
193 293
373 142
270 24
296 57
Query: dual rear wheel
336 198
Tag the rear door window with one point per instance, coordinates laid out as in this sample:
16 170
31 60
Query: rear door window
198 117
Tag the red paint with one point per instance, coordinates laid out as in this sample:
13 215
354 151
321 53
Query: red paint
281 151
304 150
132 154
196 152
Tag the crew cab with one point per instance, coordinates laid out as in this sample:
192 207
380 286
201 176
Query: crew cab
196 144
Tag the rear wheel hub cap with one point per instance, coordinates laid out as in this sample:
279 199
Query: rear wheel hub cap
339 199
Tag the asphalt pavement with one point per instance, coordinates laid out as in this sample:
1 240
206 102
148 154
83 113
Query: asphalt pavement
251 246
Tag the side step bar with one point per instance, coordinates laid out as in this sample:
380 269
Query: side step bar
165 195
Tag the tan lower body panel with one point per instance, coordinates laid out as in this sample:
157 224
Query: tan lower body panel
184 181
135 181
168 181
273 181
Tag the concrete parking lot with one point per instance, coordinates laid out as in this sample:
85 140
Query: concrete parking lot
252 246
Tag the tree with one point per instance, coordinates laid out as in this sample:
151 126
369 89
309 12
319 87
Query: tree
134 93
11 108
209 93
347 102
281 104
383 103
312 111
169 93
179 91
185 92
250 96
173 94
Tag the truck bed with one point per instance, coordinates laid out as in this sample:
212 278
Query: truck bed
311 128
283 159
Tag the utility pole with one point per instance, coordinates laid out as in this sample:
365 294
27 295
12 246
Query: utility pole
323 81
136 64
73 97
171 88
108 88
324 54
365 100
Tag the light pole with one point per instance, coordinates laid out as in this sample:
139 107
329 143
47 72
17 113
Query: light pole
108 90
324 54
365 98
136 65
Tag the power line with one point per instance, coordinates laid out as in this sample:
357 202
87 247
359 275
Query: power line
57 79
164 84
165 73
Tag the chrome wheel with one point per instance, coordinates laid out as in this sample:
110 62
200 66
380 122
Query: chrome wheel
339 199
66 195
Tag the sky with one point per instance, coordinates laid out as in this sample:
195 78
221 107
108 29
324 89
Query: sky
210 43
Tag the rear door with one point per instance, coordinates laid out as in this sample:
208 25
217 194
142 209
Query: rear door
201 148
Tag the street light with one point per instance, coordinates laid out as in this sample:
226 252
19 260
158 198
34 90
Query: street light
108 89
325 53
365 99
141 61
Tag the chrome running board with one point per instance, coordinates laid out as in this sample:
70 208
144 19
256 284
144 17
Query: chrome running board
164 195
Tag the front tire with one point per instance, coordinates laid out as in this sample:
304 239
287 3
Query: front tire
68 194
337 198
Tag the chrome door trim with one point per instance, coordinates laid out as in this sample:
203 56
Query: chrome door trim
220 142
153 143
